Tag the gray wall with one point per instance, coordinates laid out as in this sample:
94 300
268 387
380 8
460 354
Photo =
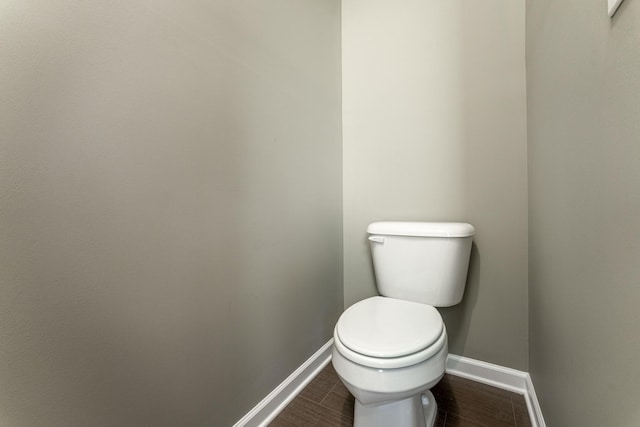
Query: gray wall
583 73
170 206
434 128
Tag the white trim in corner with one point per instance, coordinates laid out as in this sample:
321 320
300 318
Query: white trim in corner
535 413
269 408
501 377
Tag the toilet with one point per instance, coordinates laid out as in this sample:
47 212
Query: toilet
389 350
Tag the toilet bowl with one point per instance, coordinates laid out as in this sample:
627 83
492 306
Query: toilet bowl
389 353
389 350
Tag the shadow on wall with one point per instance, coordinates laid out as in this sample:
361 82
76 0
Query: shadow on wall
458 317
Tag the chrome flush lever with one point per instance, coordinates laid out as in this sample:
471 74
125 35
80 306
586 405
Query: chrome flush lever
377 239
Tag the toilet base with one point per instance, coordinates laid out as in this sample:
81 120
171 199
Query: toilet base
416 411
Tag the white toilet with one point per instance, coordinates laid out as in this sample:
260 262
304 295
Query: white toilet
390 350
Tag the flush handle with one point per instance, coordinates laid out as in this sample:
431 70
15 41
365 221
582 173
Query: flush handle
377 239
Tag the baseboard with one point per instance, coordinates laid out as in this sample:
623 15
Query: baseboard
533 405
265 411
487 373
501 377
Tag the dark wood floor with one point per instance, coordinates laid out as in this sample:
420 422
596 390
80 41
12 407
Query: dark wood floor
461 403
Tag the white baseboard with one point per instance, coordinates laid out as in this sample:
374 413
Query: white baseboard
501 377
487 373
535 413
269 408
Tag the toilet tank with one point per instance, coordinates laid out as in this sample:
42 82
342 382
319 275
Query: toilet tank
424 262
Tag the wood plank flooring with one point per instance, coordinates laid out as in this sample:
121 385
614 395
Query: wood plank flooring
461 403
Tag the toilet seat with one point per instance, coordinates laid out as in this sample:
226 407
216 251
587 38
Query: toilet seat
389 333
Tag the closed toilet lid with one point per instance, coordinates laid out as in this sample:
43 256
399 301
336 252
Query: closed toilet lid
387 327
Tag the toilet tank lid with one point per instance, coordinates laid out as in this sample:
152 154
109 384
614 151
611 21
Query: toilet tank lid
421 229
